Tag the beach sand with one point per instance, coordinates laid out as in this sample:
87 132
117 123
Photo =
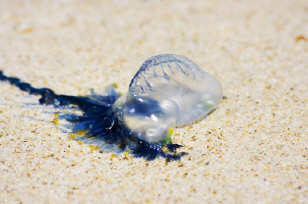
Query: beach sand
251 149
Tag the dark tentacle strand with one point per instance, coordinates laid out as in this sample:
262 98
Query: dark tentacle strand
98 121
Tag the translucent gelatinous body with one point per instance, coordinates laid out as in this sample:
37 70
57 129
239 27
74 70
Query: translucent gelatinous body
167 91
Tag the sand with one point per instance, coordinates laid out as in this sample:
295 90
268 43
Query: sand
251 149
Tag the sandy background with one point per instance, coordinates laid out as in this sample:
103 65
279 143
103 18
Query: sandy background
252 149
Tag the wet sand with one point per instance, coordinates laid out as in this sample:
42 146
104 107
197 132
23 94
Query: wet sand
251 149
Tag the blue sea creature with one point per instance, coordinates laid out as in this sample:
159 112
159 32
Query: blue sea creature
167 91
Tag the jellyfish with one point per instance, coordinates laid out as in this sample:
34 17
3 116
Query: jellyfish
167 91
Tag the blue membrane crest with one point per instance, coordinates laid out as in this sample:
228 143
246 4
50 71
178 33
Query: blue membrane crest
167 91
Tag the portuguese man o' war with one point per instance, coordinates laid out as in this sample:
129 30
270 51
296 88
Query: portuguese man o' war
167 91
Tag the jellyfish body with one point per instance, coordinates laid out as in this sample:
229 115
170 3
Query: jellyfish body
167 91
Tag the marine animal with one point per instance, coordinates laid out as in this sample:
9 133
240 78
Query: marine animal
167 91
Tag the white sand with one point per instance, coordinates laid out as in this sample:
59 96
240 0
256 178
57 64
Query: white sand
252 149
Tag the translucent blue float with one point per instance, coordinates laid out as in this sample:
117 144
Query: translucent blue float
167 91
